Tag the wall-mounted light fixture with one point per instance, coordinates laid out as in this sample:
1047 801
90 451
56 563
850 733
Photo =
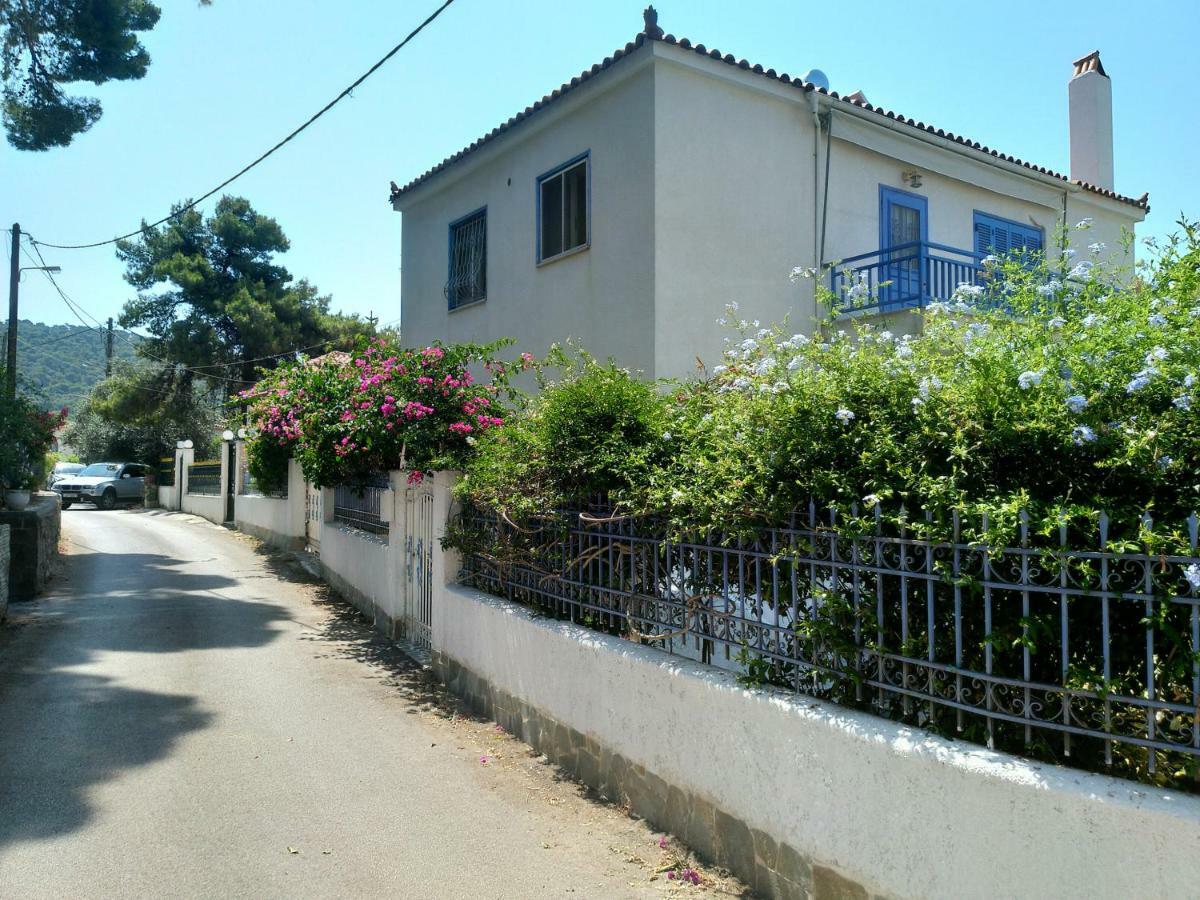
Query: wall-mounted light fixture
911 177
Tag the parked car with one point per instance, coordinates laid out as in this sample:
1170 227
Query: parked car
61 471
105 484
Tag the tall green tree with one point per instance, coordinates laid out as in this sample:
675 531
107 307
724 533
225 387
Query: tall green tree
48 44
214 299
141 411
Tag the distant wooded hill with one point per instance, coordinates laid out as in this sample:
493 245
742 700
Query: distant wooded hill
62 363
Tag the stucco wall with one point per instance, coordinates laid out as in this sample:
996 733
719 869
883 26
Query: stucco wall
600 296
733 195
277 520
703 191
267 518
206 506
864 157
361 567
844 798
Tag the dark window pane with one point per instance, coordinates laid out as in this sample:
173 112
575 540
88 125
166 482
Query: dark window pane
467 280
576 206
552 216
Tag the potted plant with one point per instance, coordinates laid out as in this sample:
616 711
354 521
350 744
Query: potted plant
20 480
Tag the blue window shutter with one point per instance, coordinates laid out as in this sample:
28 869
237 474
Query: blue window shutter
983 237
995 235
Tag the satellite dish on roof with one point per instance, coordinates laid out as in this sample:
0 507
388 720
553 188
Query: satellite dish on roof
817 77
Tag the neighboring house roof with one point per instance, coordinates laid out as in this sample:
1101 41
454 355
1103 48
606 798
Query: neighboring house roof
333 357
654 33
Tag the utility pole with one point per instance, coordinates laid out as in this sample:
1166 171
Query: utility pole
14 279
108 348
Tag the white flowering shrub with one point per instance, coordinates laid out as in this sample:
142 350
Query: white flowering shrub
1069 396
1055 390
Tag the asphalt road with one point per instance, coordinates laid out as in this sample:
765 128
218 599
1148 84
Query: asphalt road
183 716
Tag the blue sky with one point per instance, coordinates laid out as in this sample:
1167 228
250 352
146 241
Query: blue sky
229 80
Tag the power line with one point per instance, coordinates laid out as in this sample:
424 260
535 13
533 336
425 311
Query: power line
328 106
79 312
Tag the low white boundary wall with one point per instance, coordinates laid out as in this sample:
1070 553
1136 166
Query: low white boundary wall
798 797
278 521
890 810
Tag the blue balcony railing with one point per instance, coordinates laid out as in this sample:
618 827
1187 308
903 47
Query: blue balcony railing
907 275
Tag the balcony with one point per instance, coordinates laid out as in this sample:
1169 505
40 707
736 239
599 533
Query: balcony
906 276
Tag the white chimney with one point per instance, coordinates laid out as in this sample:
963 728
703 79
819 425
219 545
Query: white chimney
1090 100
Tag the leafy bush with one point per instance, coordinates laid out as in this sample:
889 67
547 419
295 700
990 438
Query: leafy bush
117 422
1053 387
345 417
1063 397
1060 395
598 430
28 433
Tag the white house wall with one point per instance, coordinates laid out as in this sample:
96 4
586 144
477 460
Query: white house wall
865 156
602 296
702 191
733 208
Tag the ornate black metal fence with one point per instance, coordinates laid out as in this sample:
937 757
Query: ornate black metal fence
358 505
166 471
1088 656
204 478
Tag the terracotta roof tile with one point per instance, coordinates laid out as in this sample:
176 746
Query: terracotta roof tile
700 49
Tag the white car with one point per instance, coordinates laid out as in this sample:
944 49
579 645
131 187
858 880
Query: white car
106 484
62 470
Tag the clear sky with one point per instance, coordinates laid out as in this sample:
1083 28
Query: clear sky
228 81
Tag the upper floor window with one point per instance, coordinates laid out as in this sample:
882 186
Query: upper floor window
994 235
563 210
466 280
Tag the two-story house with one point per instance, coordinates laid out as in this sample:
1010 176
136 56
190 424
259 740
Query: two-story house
626 208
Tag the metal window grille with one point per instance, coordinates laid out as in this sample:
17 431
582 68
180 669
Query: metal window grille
1058 647
357 505
467 281
204 478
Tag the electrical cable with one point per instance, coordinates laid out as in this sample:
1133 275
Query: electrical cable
228 181
195 370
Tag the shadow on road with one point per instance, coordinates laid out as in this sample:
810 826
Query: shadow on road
348 634
64 732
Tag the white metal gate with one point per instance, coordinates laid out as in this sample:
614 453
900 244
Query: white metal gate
313 517
417 577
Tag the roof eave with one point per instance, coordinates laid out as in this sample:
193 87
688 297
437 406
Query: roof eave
954 142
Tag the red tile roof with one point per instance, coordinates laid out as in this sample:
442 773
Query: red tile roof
654 33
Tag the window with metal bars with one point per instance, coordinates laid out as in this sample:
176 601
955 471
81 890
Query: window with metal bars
563 210
466 280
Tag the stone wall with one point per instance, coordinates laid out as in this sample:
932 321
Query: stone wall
32 544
